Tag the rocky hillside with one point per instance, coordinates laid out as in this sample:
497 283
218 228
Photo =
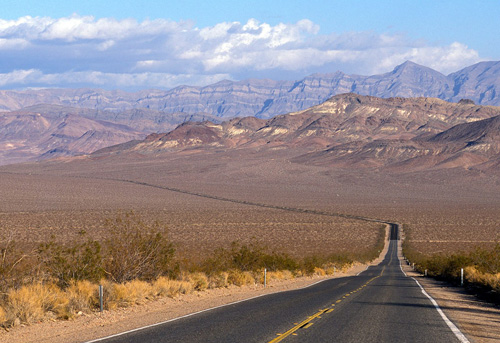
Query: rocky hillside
267 98
46 131
353 130
29 136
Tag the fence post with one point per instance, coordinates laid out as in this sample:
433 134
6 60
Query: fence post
100 297
265 277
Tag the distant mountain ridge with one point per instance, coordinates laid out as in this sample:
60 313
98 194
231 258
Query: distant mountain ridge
29 119
267 98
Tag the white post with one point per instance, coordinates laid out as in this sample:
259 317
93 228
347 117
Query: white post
413 266
425 273
265 277
334 270
100 297
461 277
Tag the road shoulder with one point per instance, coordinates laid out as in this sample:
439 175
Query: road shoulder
477 319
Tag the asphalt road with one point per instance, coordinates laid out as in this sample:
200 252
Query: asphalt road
379 305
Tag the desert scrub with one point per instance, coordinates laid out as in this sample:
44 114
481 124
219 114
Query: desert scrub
164 286
133 250
247 257
72 261
198 280
149 252
16 264
481 268
31 303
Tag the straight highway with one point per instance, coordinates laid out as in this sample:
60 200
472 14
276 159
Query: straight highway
381 304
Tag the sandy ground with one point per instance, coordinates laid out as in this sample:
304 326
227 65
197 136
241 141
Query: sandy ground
479 321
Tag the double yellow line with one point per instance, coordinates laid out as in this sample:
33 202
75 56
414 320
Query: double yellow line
308 322
305 324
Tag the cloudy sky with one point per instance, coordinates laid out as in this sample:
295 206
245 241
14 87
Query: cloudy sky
133 44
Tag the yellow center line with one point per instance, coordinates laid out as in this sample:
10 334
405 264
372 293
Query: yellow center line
308 322
298 326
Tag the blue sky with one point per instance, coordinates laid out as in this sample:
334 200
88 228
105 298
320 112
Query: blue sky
161 44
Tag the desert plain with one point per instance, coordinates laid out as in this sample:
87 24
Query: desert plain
208 198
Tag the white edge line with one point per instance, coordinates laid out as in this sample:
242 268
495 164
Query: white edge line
195 313
461 337
400 266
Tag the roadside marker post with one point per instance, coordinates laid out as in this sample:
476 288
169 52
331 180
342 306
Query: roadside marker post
462 277
265 277
100 297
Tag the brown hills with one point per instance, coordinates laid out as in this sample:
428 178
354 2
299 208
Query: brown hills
45 131
353 130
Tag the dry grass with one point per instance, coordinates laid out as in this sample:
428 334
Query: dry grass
30 303
166 287
492 281
82 296
218 280
128 293
240 278
198 280
39 302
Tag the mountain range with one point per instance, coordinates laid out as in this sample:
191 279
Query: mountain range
31 120
266 98
350 130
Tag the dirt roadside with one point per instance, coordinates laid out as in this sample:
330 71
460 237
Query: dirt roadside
479 321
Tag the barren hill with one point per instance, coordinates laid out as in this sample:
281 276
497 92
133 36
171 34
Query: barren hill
31 135
46 131
352 130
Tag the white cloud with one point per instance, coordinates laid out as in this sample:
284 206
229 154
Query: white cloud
161 53
446 59
33 77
